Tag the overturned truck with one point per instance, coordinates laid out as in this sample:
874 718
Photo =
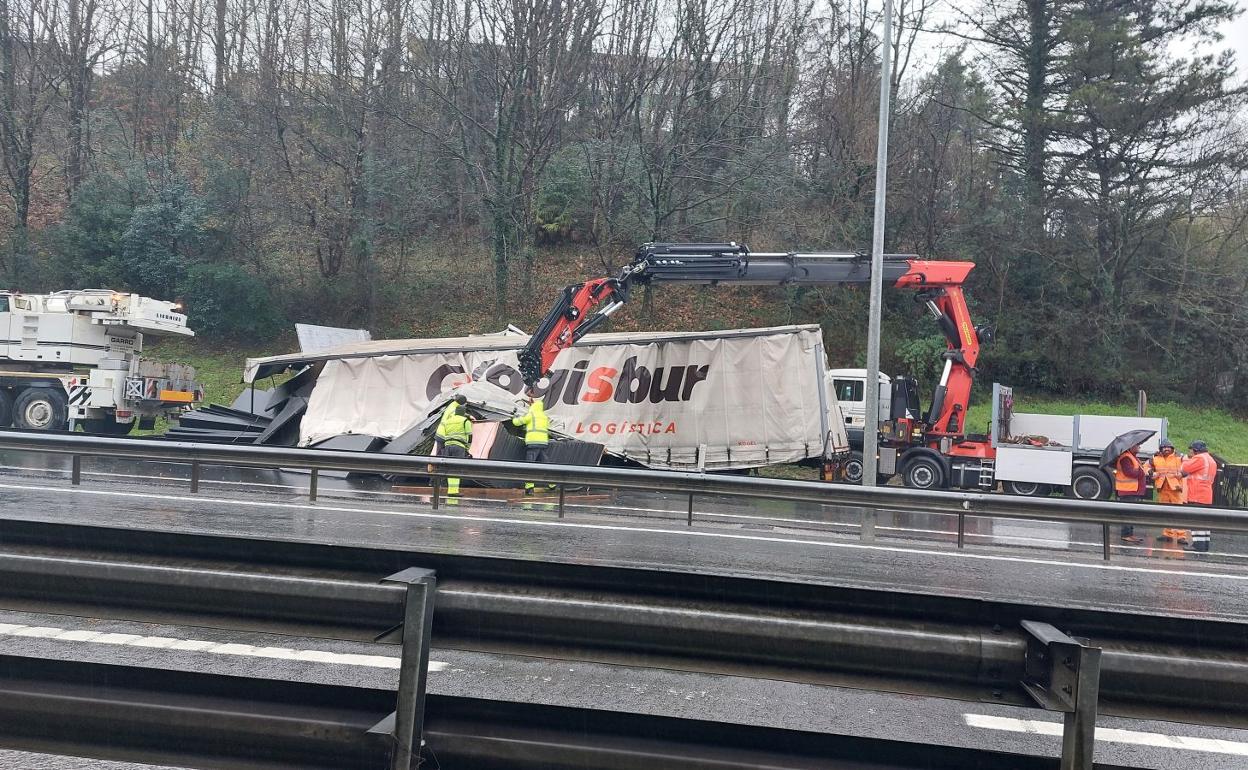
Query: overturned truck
725 400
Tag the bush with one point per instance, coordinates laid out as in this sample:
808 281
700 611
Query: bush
224 300
87 243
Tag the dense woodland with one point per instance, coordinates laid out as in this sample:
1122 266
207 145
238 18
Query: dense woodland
397 163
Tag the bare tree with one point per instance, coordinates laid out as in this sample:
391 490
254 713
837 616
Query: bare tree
28 82
506 73
86 38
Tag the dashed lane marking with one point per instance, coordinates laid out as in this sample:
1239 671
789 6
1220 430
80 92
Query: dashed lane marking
1111 735
205 646
683 533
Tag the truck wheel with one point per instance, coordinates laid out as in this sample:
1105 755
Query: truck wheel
924 473
41 409
853 468
853 471
6 408
107 426
1027 488
1089 484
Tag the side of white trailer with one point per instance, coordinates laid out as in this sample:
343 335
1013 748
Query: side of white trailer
700 400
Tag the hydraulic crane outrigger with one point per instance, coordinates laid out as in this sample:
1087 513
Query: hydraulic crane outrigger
938 286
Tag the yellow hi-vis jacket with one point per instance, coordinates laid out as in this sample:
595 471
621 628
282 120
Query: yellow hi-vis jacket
535 423
455 427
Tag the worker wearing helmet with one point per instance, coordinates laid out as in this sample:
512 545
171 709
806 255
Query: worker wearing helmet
455 435
1199 471
536 433
1166 471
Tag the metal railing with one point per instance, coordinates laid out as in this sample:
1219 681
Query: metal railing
1231 490
397 610
653 617
692 485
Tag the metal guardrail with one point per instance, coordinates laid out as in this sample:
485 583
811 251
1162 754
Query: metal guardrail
398 609
979 652
691 484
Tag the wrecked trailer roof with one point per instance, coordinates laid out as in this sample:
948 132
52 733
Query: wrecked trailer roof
259 368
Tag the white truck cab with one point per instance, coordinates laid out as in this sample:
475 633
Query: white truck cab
850 388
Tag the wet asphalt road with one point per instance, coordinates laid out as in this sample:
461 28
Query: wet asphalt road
651 533
1015 561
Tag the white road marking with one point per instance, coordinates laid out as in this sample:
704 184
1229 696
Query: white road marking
1111 735
556 524
200 645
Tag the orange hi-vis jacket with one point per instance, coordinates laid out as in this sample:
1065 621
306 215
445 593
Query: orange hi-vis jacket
1201 470
1168 478
1129 476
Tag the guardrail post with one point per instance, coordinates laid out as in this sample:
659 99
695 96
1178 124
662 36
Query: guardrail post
312 479
866 531
194 476
561 501
1105 541
433 482
690 519
409 711
961 530
75 469
1060 673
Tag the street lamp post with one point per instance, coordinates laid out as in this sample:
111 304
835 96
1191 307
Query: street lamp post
870 432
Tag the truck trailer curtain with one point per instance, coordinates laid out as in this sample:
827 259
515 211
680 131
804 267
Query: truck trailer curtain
724 402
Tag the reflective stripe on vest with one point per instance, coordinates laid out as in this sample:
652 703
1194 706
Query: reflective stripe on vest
1166 471
535 423
454 427
1209 469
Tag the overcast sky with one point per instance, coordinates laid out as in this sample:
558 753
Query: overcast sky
1234 36
1236 33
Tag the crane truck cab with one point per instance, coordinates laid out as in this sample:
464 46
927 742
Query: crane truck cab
850 386
74 358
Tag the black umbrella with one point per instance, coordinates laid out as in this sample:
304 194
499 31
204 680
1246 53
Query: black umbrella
1124 442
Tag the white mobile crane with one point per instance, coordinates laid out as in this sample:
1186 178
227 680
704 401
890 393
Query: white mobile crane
73 358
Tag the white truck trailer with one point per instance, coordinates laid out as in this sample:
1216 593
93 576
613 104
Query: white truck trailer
73 358
721 400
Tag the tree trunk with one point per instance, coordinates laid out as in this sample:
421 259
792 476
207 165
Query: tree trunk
220 64
1035 125
502 254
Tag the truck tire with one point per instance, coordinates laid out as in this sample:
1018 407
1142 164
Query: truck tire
853 471
853 468
1026 488
41 409
6 408
1088 483
924 473
107 426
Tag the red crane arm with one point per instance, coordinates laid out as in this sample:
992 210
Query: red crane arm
938 285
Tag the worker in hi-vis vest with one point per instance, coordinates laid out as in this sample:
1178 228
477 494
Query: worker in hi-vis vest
1200 471
536 434
455 435
1131 486
1166 472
